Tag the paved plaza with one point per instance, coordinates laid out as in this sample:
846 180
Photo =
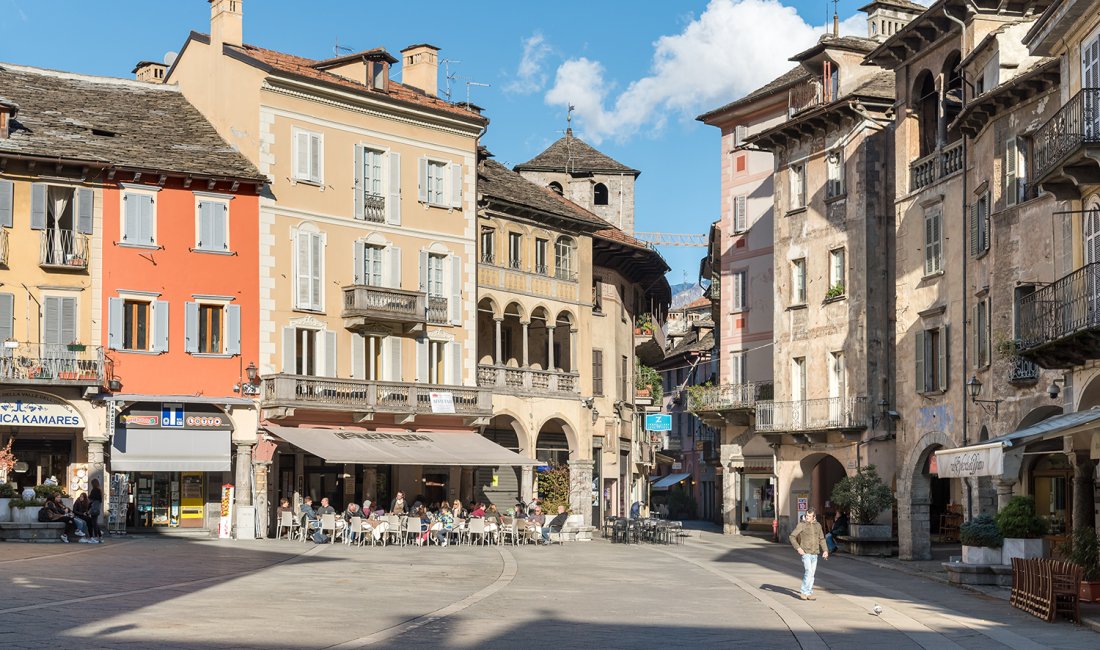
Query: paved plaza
712 591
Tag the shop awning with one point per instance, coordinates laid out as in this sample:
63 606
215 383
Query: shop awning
160 450
668 481
987 458
413 448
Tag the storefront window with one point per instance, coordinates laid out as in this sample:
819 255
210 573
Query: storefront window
1052 484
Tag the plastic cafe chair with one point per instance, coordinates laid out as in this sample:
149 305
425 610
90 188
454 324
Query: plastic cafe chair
288 523
353 532
328 523
476 526
394 528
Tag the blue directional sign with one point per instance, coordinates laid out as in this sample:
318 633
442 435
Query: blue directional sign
658 422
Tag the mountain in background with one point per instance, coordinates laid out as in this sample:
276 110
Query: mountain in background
684 293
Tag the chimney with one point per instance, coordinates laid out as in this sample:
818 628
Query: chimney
420 68
226 22
7 116
150 71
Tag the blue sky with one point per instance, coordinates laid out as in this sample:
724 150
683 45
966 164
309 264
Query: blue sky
638 72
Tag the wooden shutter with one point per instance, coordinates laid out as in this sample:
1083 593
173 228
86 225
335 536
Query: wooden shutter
160 326
38 206
392 359
740 214
422 180
422 360
393 199
597 372
116 320
130 218
51 321
359 256
233 329
983 220
453 362
456 290
918 356
330 354
1011 158
301 155
301 269
220 219
358 356
942 358
68 320
290 344
360 182
146 230
975 246
7 317
456 185
424 271
393 267
316 158
191 327
85 201
7 203
206 226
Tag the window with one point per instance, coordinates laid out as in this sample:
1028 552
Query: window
308 268
210 329
981 334
979 225
933 240
436 189
436 362
597 372
305 351
563 258
599 194
378 75
834 172
435 274
597 295
515 250
371 272
542 246
213 226
1015 171
797 174
739 135
836 273
798 379
138 325
440 183
737 300
931 359
308 156
556 187
373 346
738 362
371 203
488 245
624 379
741 163
139 219
740 213
798 282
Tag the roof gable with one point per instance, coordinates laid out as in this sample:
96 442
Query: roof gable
571 154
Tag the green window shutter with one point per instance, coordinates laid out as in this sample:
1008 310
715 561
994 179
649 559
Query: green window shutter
918 355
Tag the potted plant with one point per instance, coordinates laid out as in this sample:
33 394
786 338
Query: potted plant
864 496
25 511
76 347
7 493
1022 530
643 324
1083 549
835 291
646 377
981 540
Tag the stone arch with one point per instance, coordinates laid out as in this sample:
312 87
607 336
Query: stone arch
502 485
600 195
821 462
925 103
556 187
550 428
489 305
1089 395
1038 414
914 496
952 96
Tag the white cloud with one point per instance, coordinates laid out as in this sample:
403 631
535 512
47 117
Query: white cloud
732 48
530 77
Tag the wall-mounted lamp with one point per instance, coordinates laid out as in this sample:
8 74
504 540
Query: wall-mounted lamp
974 388
595 415
251 386
884 413
114 385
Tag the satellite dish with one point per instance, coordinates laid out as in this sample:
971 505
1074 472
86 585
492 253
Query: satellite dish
170 58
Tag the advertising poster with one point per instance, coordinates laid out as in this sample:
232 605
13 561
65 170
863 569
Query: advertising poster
225 524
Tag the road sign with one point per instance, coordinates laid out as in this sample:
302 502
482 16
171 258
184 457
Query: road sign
658 422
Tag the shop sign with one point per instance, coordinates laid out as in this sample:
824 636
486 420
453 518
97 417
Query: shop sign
677 465
658 422
969 462
31 409
443 402
176 416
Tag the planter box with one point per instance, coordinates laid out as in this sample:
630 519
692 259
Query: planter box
1022 548
981 555
869 531
5 510
25 515
1090 591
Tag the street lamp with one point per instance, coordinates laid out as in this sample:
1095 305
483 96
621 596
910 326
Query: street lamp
251 371
974 388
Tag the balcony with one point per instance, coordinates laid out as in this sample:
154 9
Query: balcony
728 403
528 381
1065 147
545 282
363 397
649 340
936 166
1060 323
365 304
804 97
374 208
843 414
64 250
55 365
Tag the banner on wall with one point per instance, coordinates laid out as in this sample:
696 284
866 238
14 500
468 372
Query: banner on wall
225 523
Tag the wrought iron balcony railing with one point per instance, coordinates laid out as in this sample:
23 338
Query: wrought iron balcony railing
37 363
64 249
1076 124
1022 370
829 413
1055 316
729 397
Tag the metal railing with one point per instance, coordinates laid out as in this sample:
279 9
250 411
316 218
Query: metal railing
438 313
64 248
3 246
729 397
939 164
38 363
1075 124
521 380
488 258
813 414
374 208
1062 309
360 394
1022 369
400 305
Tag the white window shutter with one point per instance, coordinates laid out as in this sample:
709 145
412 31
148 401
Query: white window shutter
358 356
233 330
740 219
301 155
191 327
393 198
360 183
392 268
7 203
391 359
38 206
454 363
68 320
456 290
422 180
84 203
424 271
456 185
317 258
316 158
290 344
115 320
422 360
359 256
160 325
330 354
301 270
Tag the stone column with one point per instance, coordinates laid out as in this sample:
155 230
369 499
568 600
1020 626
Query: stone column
243 475
731 501
1004 491
370 484
526 352
526 483
914 541
580 489
499 341
466 489
549 347
573 350
1084 482
262 506
96 463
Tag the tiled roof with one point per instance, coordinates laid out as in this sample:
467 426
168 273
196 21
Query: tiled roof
902 4
880 85
698 302
572 154
304 67
497 181
784 81
114 121
829 42
614 234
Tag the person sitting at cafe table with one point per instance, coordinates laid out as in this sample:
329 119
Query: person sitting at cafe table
491 514
353 511
478 511
457 511
444 524
306 512
556 523
398 506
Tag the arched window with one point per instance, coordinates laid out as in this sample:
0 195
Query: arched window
556 186
599 194
952 97
565 258
926 102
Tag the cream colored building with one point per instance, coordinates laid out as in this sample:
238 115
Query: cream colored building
368 241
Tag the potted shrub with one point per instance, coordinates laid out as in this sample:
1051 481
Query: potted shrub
981 541
7 493
1083 549
1022 530
835 291
864 496
25 511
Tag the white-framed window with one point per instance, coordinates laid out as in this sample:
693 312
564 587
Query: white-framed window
138 322
438 362
436 263
542 246
371 204
212 326
836 272
931 359
488 245
308 156
440 183
740 213
737 300
309 351
371 273
212 224
738 363
979 225
797 174
139 218
834 174
515 250
376 357
437 172
798 281
933 239
309 261
981 334
564 262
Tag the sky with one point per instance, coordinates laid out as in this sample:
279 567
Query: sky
637 72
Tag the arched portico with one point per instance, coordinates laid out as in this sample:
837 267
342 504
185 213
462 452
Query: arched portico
916 495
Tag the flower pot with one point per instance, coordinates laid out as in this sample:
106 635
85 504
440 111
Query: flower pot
981 555
869 531
1022 548
76 347
1090 591
25 515
5 509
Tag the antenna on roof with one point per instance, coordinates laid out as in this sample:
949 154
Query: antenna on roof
448 75
337 48
569 137
473 83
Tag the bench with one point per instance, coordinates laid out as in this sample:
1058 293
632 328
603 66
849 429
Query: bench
1044 588
40 532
